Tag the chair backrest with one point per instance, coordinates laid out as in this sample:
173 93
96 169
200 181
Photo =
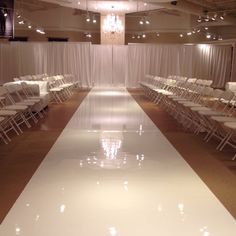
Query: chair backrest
217 93
3 91
192 80
227 95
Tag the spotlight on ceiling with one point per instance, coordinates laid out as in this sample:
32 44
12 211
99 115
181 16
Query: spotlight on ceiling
199 20
158 35
208 36
220 38
181 35
206 28
147 22
222 17
40 31
133 36
87 17
144 35
94 19
189 33
88 35
141 22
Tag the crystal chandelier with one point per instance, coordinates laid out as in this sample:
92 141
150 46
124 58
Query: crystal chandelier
112 24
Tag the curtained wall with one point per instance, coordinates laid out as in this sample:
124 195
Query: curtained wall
201 61
117 65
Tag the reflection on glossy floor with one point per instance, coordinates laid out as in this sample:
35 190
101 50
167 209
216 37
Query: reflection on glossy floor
112 172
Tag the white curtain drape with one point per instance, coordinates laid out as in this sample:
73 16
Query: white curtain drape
200 61
18 59
109 65
114 65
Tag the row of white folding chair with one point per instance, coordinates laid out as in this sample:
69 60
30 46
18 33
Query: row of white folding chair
16 109
209 118
59 89
195 114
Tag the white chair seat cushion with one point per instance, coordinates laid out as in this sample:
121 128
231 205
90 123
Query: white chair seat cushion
223 118
180 99
191 104
16 107
210 113
231 125
56 89
25 103
32 100
7 113
201 109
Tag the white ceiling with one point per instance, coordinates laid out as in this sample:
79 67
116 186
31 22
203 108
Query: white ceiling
104 7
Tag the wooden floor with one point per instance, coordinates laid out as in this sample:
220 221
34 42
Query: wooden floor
20 159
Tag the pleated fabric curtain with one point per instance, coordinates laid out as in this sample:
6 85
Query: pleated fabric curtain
115 65
198 61
18 59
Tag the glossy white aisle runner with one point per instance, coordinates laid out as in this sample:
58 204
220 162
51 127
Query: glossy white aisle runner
112 172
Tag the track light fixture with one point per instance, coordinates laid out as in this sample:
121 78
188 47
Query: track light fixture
87 17
147 22
222 17
141 22
88 35
199 20
94 19
40 31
